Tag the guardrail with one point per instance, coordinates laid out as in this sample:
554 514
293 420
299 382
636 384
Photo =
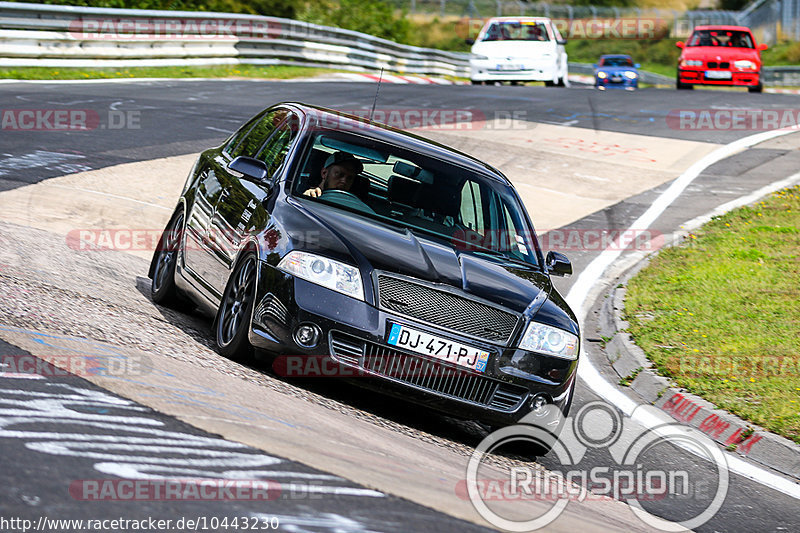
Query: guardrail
67 36
45 35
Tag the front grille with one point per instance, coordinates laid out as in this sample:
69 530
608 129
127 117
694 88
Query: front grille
506 398
271 307
723 64
347 349
442 379
445 309
712 64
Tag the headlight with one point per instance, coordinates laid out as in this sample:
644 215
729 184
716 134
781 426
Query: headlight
323 271
744 64
631 75
550 341
691 63
602 75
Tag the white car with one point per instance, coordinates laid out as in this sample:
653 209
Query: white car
518 49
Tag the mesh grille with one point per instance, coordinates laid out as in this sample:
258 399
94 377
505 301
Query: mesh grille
444 309
347 349
429 375
506 398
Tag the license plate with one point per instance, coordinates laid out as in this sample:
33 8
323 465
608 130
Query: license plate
438 347
718 74
616 79
510 67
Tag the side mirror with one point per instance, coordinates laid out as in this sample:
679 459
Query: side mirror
561 41
469 41
680 44
762 47
595 65
558 264
249 167
637 65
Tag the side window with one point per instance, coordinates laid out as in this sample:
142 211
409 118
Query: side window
261 130
471 206
274 151
240 134
556 33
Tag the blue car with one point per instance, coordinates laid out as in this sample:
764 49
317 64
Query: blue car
616 71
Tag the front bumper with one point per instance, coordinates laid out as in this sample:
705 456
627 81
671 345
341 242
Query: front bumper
738 78
614 83
354 335
510 70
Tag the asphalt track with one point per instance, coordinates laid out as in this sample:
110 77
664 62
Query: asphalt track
176 118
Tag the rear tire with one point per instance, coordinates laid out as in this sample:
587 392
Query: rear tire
232 324
163 289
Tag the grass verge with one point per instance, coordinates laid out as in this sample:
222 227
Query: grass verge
720 314
218 71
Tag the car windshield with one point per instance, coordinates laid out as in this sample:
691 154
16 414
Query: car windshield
516 31
429 197
616 62
727 38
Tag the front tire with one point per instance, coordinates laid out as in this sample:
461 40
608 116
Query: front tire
163 289
683 86
233 318
757 89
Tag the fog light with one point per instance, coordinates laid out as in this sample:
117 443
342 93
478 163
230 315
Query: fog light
307 335
538 404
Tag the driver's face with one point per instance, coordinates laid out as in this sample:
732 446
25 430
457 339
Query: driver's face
340 177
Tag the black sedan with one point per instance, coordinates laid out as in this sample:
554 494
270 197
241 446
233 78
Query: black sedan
314 234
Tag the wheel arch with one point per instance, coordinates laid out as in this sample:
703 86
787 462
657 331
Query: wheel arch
181 207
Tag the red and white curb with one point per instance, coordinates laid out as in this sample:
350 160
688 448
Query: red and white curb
387 78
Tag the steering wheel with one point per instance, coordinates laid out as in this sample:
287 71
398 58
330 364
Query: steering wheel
333 193
346 199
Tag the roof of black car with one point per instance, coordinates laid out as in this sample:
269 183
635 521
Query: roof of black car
387 134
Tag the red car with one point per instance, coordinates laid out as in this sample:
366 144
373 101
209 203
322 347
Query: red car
720 55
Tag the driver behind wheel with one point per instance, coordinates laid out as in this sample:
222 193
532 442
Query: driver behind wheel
338 173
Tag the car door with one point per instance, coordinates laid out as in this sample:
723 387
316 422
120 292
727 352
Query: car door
240 209
197 256
561 52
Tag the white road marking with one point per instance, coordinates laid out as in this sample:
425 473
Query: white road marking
585 289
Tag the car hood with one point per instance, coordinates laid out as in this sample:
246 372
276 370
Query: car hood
376 246
711 53
521 49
